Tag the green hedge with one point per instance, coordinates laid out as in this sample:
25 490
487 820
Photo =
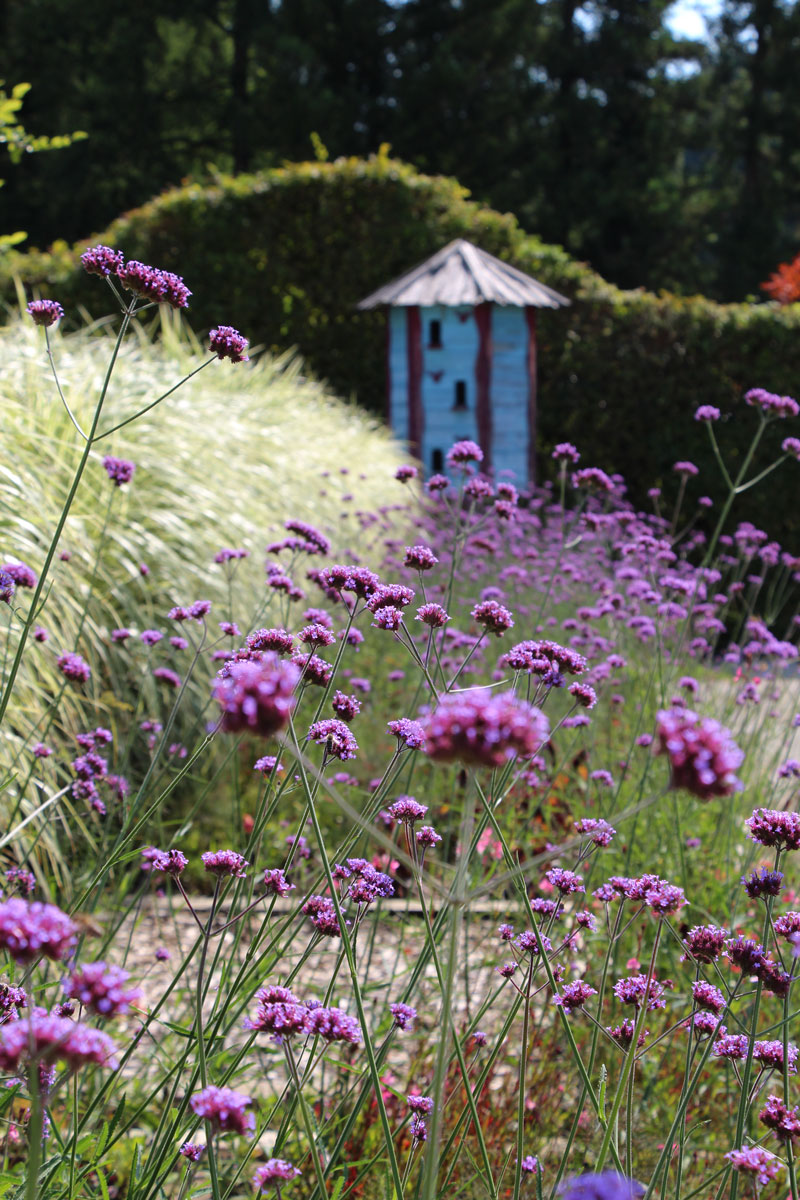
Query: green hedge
284 255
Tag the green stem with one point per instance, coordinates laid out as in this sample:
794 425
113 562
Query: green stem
526 1021
201 1045
630 1057
351 963
35 1129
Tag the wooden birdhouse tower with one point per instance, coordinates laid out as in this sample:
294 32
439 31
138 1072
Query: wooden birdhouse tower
462 358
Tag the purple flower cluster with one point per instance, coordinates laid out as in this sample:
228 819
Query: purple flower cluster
484 728
774 827
225 864
119 470
227 342
336 737
703 756
45 312
273 1173
73 667
153 284
257 697
101 989
47 1038
224 1109
29 930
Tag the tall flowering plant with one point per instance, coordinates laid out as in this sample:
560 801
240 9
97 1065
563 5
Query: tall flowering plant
467 937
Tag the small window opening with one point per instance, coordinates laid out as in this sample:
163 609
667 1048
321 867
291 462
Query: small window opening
435 335
437 460
461 394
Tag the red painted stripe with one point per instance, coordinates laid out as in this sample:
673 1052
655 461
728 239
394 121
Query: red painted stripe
530 317
414 350
483 380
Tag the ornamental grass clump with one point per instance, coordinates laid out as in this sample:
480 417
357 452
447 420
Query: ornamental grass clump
317 884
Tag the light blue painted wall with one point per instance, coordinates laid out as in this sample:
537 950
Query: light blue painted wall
509 393
442 423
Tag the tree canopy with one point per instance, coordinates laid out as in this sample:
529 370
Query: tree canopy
663 161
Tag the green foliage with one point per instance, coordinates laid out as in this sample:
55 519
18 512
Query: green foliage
272 432
17 141
286 254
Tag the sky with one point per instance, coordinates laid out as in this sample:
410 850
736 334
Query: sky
688 17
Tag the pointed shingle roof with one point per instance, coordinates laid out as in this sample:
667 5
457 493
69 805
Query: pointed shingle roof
461 273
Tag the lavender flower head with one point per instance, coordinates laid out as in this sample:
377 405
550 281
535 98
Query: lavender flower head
607 1186
408 733
336 737
102 260
484 728
47 1038
28 930
757 1162
257 697
225 863
461 454
45 312
119 470
73 667
273 1173
404 1015
101 989
227 342
225 1109
702 754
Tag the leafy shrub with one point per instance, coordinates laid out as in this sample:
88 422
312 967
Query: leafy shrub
286 254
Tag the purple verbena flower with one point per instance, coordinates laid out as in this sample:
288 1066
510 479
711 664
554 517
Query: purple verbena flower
596 829
227 342
224 1109
225 863
336 737
119 470
257 697
420 558
702 754
272 1173
73 667
45 312
755 1161
404 1015
333 1025
407 810
484 728
102 260
774 827
101 989
493 616
574 995
46 1038
607 1186
408 733
29 930
461 454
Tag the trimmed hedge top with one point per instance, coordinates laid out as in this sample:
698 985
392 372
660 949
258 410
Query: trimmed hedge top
284 255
